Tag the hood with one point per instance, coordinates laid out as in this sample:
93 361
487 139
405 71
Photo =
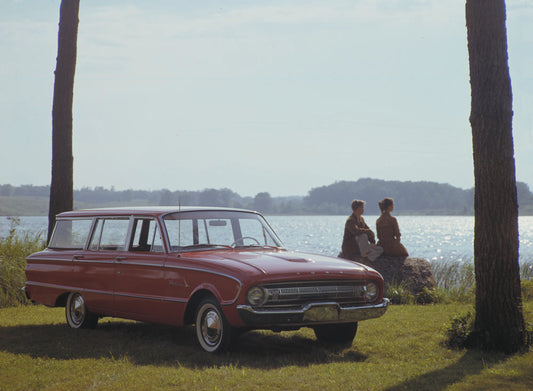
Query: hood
289 263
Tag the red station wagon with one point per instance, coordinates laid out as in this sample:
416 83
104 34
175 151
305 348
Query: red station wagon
223 270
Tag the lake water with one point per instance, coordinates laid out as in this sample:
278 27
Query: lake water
431 237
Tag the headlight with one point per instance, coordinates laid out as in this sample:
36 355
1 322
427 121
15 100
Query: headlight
256 296
371 291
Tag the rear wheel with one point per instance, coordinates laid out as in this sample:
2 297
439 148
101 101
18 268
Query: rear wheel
212 329
78 317
336 334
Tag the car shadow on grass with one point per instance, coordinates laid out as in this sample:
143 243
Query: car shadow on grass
148 344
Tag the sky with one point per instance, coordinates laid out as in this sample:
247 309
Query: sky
277 96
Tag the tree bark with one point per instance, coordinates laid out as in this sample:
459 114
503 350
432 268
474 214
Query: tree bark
61 189
499 322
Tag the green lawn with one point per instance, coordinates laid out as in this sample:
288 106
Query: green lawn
401 351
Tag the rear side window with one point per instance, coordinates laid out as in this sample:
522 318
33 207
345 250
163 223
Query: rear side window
146 236
110 234
70 234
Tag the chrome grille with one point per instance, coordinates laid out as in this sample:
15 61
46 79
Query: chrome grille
299 294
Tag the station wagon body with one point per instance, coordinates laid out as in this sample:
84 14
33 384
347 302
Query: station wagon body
222 270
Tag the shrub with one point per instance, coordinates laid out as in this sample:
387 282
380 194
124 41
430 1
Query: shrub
428 296
527 289
13 252
459 331
526 270
399 293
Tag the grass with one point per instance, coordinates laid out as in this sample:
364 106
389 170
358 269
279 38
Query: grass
403 350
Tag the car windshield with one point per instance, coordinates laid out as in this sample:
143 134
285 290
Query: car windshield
198 230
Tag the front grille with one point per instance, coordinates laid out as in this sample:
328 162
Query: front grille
296 295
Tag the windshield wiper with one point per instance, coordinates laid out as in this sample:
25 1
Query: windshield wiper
257 246
204 245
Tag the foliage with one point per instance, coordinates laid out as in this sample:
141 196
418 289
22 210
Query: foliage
526 270
428 296
418 198
459 330
13 252
455 281
453 274
455 284
527 289
399 293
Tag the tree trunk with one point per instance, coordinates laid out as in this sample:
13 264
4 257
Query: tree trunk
61 189
499 322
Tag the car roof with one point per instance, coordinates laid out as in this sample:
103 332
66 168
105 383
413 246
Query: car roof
143 210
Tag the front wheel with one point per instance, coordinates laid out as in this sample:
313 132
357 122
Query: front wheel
78 317
212 329
336 334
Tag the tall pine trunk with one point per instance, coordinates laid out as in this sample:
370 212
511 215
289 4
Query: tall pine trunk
61 189
499 322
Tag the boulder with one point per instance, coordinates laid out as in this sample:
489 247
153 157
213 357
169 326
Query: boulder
413 273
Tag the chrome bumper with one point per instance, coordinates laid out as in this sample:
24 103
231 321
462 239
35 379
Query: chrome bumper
314 313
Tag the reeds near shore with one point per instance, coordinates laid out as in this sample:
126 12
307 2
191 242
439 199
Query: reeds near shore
13 252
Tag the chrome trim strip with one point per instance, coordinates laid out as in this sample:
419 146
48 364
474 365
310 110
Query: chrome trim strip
77 289
154 298
51 260
81 260
67 288
140 264
240 284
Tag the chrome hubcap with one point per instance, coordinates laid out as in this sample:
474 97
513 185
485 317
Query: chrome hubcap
211 327
77 310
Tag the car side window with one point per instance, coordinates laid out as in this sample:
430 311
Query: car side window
146 236
70 234
110 234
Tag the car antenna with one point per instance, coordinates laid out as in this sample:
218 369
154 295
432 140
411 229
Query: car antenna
179 227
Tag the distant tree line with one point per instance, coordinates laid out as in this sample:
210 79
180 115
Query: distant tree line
422 198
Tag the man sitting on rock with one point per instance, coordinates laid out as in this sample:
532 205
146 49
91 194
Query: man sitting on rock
359 241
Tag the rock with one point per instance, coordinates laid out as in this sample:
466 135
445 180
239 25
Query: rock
414 273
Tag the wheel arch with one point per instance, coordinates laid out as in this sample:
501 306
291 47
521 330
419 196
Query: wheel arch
61 300
194 301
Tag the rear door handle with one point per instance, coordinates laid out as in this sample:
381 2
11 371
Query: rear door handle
120 258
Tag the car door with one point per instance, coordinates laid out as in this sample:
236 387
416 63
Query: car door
96 266
139 271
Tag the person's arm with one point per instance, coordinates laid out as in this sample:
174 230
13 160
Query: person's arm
359 227
396 229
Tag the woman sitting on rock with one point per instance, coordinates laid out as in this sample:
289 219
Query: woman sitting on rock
388 230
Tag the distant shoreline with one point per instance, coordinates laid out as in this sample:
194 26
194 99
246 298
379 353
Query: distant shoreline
411 198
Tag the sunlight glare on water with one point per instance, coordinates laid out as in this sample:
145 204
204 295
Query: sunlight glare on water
449 238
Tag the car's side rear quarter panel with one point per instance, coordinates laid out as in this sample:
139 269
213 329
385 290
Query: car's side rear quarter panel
48 275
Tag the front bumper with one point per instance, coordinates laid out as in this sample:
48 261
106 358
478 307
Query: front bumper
313 313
